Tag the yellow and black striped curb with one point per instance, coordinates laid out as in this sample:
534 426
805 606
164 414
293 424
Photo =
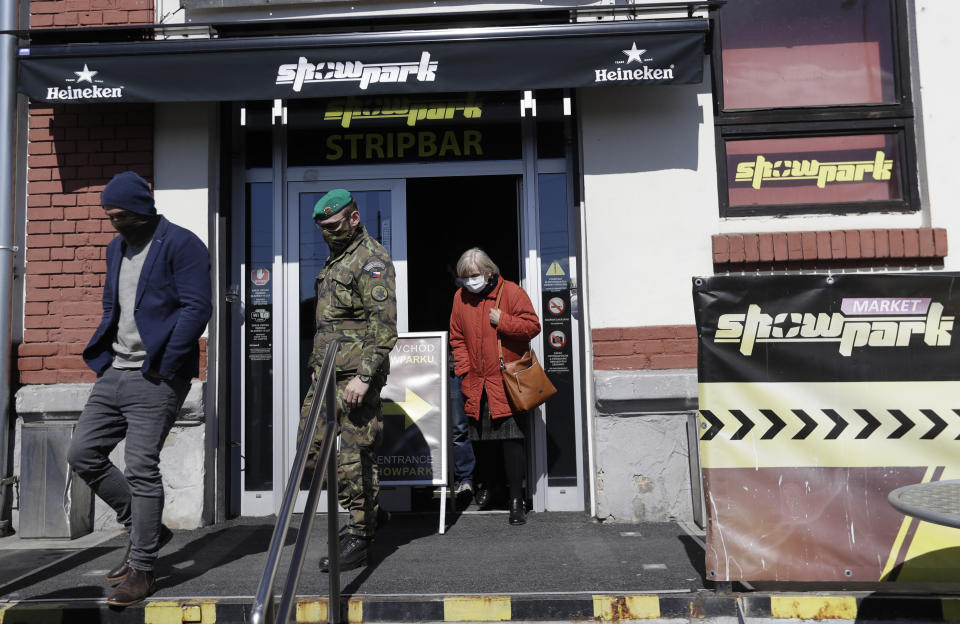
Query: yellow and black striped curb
490 608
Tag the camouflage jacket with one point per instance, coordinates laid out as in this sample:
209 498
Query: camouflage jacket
357 302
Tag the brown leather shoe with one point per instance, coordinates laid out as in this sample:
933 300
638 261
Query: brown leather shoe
120 572
135 587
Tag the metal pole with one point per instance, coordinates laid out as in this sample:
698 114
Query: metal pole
333 525
326 466
8 108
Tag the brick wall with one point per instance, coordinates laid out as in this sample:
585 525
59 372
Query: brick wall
73 151
645 348
74 13
833 249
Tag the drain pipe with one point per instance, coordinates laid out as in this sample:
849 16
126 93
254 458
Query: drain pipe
8 116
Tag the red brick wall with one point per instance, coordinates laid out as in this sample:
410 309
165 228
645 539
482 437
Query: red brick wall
73 13
829 249
645 348
73 151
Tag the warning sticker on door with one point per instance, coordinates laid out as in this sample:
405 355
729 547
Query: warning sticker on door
556 277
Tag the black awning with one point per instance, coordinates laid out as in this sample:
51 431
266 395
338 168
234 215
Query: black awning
310 66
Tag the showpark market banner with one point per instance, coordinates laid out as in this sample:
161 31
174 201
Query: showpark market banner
414 449
367 64
819 395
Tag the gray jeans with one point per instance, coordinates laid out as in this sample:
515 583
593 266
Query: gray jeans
126 404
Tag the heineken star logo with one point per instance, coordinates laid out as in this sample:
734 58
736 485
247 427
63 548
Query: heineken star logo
86 75
634 54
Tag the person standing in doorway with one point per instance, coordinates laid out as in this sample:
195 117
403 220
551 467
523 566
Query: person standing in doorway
486 309
357 303
156 305
464 459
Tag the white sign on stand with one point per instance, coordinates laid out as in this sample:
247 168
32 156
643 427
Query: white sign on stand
414 447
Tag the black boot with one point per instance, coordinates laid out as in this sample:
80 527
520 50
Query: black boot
137 585
383 517
120 572
518 514
353 553
484 498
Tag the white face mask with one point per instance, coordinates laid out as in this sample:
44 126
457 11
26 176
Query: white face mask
475 284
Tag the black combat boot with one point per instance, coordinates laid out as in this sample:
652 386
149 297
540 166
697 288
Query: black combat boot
518 514
353 553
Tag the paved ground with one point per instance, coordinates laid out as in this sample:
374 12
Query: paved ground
559 567
562 553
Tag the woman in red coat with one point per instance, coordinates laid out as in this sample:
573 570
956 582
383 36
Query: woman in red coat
475 325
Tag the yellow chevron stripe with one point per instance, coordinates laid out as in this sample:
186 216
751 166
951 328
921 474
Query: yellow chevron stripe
476 609
611 608
814 607
846 451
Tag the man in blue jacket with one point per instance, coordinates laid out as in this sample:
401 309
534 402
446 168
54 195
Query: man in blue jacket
156 304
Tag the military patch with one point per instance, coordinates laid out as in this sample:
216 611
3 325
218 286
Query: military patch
374 268
379 293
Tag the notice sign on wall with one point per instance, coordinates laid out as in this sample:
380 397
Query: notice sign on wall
819 395
414 450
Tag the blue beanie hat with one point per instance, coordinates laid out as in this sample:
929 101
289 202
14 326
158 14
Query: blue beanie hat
129 191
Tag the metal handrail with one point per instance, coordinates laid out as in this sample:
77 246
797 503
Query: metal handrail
324 391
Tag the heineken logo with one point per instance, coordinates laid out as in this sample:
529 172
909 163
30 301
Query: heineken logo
91 91
630 72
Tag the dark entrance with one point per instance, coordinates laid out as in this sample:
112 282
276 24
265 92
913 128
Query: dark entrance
445 217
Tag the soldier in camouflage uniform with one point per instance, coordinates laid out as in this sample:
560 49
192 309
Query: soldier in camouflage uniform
356 302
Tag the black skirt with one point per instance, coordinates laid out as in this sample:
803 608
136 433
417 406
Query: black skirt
487 428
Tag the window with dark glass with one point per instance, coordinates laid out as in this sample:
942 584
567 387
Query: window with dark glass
813 107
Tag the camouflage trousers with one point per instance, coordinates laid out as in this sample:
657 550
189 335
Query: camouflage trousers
361 431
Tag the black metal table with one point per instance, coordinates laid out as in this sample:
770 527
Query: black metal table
937 501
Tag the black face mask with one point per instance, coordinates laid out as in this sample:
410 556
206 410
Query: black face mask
490 285
136 229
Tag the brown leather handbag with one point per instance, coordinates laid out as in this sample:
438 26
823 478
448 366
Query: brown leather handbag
525 380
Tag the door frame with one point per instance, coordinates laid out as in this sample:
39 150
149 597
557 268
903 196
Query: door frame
360 176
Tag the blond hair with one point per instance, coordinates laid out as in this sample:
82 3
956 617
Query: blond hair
476 259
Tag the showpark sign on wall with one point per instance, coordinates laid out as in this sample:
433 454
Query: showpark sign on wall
819 395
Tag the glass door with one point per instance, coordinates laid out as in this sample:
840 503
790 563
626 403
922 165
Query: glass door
382 211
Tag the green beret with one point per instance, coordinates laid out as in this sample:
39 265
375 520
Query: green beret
331 203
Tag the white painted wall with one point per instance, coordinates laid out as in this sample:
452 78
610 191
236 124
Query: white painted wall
651 200
936 93
181 164
651 196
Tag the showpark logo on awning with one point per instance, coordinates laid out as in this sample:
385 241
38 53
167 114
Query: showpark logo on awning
304 72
